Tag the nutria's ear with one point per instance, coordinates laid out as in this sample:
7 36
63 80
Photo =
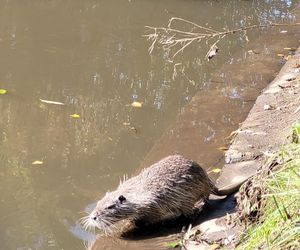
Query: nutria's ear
122 198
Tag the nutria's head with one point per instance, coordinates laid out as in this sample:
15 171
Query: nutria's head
111 209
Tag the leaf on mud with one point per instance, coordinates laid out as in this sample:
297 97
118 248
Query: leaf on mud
283 31
288 57
3 91
136 104
75 116
126 123
216 170
37 162
296 126
268 107
214 246
173 244
280 55
51 102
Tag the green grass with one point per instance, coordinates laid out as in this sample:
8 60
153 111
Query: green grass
280 228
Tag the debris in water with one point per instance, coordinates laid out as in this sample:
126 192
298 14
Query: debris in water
75 116
3 91
51 102
37 162
136 104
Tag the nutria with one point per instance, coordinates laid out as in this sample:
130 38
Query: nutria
167 189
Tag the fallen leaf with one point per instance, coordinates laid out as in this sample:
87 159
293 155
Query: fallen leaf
212 52
216 170
51 102
37 162
214 246
126 123
75 116
288 57
283 31
290 49
268 107
134 129
3 91
173 244
136 104
223 148
280 55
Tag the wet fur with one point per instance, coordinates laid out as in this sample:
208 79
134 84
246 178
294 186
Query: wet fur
167 189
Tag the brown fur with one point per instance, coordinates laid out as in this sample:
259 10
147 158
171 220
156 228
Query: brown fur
165 190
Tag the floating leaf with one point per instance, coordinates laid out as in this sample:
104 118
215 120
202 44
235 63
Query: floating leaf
51 102
137 104
216 170
223 148
212 52
291 49
3 91
37 162
75 116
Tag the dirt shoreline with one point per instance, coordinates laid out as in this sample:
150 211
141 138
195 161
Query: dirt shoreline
264 131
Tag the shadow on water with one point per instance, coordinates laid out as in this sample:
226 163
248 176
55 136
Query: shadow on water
91 56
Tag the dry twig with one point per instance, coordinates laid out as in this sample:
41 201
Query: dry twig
175 40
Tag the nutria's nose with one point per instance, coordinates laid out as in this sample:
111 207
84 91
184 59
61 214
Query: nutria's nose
94 215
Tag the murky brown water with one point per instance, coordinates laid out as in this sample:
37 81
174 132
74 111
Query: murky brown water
91 56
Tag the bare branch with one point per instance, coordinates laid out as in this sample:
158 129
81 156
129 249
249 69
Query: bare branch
174 39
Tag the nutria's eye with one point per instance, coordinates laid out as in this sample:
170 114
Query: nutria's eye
122 198
111 206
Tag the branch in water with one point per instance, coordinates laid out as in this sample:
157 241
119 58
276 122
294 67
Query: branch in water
177 40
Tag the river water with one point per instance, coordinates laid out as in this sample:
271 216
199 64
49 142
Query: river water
92 57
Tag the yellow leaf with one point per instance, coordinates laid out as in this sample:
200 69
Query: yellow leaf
75 116
3 91
216 170
126 123
137 104
288 57
224 148
280 55
37 162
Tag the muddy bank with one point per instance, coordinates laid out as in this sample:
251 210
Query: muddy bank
264 131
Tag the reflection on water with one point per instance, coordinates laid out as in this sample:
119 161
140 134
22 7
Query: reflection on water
91 56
